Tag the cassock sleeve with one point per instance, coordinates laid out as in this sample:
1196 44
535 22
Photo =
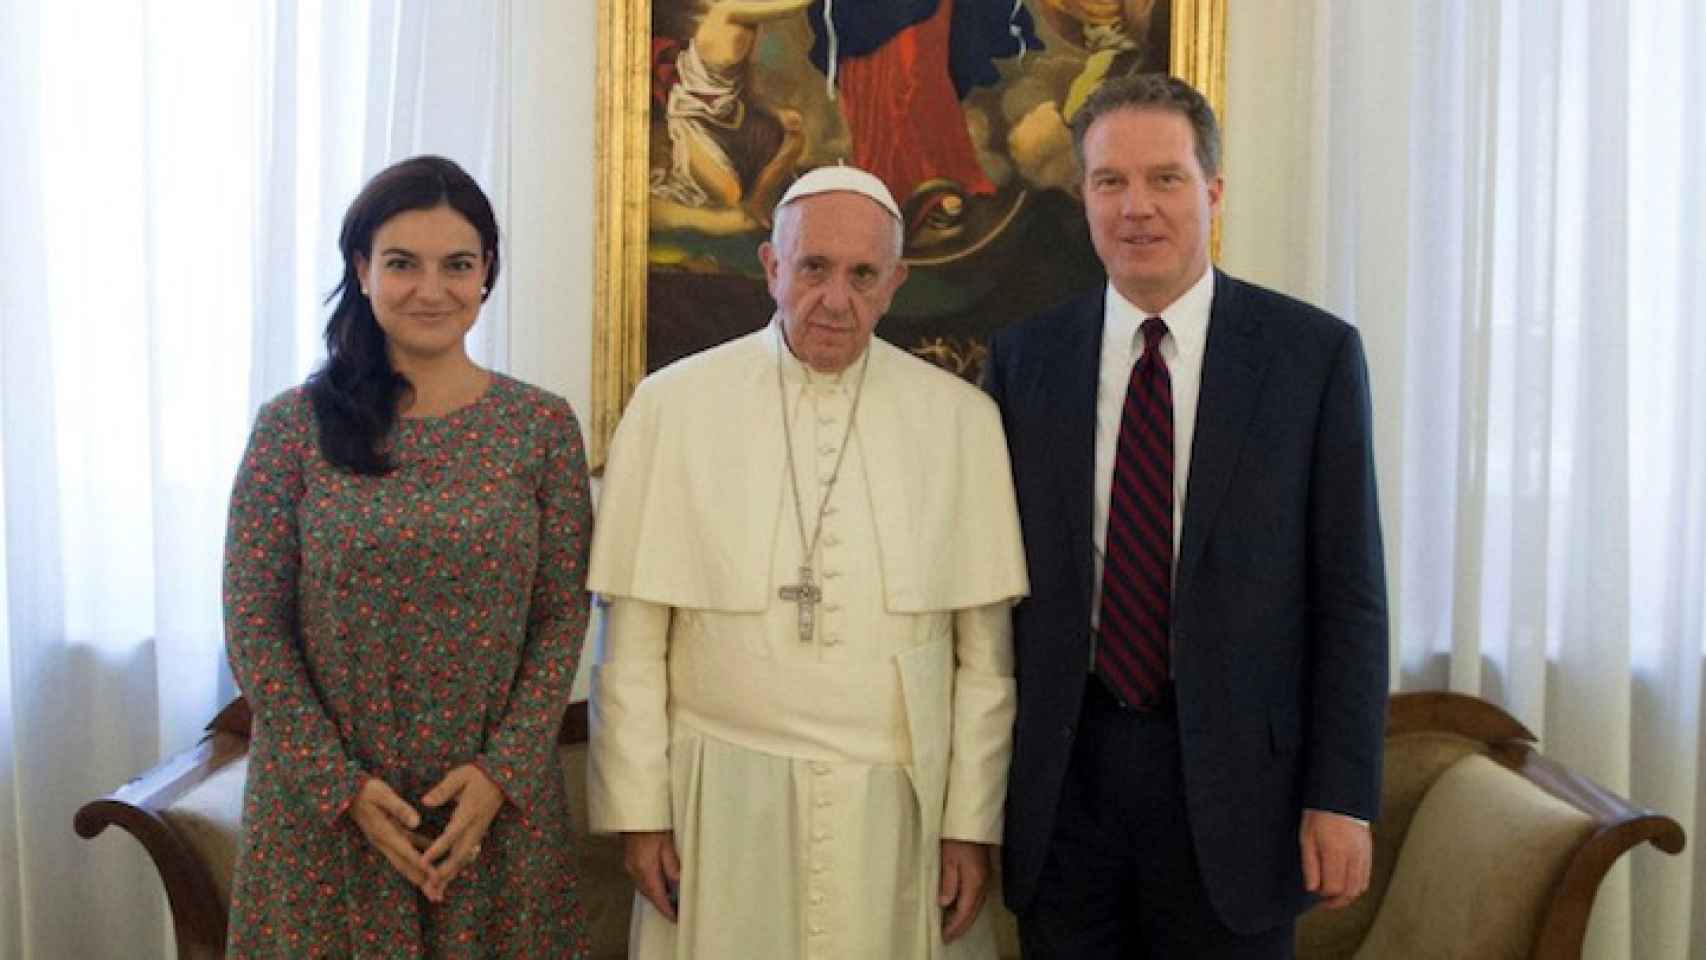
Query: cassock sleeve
262 557
628 763
522 753
985 697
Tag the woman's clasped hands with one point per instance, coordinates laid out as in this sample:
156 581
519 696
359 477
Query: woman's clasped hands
390 824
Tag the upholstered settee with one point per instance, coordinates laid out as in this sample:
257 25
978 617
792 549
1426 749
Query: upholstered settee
1485 848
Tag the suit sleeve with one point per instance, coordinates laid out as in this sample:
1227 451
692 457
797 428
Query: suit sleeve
981 747
1347 599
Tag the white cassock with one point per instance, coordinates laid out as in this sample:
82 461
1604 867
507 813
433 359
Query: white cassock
808 783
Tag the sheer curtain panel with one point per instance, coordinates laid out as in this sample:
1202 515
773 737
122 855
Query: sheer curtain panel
1500 196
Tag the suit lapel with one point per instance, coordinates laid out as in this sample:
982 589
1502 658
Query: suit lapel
1234 359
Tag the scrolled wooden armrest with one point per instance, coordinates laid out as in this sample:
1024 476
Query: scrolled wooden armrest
198 917
1619 825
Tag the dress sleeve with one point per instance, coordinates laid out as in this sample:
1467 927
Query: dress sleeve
985 699
262 557
522 753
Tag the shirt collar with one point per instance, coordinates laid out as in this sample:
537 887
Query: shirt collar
1186 318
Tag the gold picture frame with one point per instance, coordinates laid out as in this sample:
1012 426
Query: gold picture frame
624 156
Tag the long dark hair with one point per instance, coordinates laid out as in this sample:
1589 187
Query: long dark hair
355 392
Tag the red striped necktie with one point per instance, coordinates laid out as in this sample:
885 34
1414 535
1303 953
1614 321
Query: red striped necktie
1137 573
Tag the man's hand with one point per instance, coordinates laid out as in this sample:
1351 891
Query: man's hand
965 885
1338 853
477 800
388 823
654 866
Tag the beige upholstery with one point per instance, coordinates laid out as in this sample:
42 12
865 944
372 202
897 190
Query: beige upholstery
210 817
1485 849
1006 925
1483 854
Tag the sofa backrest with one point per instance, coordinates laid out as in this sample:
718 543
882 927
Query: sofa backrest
1477 871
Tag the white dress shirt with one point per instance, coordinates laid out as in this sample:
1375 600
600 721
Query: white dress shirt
1122 346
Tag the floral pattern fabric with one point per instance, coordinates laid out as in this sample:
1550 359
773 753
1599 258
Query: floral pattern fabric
398 627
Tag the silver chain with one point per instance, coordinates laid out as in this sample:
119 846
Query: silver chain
810 546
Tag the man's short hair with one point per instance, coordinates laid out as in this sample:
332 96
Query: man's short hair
1152 91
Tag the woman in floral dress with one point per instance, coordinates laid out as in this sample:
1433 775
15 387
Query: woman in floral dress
405 603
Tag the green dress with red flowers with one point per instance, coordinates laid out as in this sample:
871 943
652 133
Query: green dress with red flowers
398 627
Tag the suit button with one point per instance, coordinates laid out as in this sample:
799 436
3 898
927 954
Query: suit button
1066 733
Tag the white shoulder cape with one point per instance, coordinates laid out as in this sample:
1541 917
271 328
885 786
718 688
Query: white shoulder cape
694 485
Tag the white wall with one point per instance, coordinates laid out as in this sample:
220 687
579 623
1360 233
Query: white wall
554 49
1269 161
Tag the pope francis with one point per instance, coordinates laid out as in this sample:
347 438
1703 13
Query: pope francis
808 550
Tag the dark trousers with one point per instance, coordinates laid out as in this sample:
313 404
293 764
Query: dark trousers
1121 879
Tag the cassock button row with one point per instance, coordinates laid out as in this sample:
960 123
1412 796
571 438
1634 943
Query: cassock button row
824 801
831 640
826 449
820 768
831 574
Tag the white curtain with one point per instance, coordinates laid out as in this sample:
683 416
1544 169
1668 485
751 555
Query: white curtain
172 178
1502 196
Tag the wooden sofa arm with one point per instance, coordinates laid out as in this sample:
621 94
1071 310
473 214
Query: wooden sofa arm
1618 824
198 916
1619 827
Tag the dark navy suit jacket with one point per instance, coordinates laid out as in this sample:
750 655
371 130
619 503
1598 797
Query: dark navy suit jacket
1279 600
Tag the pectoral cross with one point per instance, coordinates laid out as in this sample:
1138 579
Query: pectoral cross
806 594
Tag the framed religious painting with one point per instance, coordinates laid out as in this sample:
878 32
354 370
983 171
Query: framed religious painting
708 109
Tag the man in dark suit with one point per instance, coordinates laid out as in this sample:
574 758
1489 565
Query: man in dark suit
1202 660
